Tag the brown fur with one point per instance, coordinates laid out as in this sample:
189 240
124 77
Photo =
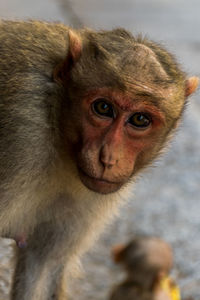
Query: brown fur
48 73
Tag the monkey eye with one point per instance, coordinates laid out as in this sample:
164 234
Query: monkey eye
103 108
140 120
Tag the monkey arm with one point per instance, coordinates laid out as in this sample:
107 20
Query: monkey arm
40 270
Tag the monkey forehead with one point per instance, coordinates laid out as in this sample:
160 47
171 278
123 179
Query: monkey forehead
126 55
159 253
141 61
131 55
133 66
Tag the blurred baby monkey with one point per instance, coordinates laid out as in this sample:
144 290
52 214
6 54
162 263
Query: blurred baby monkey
147 261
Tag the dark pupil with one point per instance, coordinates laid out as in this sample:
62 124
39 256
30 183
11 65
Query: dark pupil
140 120
102 108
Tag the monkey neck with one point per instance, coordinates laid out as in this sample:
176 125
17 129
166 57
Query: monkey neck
140 282
136 289
62 203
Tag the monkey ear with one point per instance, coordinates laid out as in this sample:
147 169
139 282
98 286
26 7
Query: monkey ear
75 45
191 85
117 252
62 71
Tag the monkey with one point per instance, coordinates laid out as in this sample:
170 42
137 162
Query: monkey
147 261
82 113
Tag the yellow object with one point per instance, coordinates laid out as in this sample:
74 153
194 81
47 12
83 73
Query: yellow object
168 285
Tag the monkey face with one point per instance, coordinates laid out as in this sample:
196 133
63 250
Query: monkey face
112 132
119 126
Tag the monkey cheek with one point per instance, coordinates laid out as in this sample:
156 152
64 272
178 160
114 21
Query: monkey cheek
99 186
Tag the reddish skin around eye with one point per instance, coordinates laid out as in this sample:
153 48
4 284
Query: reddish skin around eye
111 145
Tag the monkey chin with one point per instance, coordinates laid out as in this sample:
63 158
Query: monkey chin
99 185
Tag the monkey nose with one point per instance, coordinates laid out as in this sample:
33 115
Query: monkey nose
107 158
109 164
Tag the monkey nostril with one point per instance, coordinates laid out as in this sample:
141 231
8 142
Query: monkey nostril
109 166
105 163
108 162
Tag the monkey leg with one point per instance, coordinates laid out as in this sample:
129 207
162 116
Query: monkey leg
40 267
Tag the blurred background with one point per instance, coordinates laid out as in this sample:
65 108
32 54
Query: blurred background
166 200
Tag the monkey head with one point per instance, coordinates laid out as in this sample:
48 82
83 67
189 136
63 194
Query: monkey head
122 98
146 259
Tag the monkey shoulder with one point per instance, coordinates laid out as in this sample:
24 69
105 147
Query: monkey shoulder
31 46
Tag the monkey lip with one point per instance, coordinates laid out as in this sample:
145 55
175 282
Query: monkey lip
99 185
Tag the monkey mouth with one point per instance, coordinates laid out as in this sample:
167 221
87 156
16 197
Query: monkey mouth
99 185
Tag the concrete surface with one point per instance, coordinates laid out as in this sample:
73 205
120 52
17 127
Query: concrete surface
166 202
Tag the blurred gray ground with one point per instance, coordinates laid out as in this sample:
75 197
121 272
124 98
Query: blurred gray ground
166 201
